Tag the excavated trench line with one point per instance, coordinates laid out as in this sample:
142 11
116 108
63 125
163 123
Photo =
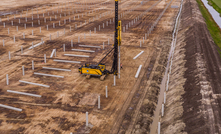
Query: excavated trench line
163 83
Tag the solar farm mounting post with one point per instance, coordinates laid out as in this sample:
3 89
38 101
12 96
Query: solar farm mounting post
158 127
45 58
106 92
23 70
86 119
7 81
33 68
162 109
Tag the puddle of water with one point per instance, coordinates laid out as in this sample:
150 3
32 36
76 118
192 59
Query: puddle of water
213 13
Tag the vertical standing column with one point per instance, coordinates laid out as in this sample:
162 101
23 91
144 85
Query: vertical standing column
7 81
33 68
106 92
64 47
86 119
71 43
162 109
45 58
158 127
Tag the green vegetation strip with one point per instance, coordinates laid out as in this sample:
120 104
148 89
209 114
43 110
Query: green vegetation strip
218 2
215 5
214 29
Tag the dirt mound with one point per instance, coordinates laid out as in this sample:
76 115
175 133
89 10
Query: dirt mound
192 102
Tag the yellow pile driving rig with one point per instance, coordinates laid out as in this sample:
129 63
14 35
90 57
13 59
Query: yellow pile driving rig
99 69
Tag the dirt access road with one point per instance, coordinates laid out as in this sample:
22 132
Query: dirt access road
63 105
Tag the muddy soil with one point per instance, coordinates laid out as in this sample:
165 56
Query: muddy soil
193 98
63 105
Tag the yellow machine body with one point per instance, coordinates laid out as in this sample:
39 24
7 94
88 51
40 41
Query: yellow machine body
95 70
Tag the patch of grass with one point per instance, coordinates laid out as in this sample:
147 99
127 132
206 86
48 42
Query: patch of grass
218 3
214 29
216 6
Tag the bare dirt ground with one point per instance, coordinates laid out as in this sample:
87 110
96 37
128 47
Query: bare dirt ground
193 99
62 107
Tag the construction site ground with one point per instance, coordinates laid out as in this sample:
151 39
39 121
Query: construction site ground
62 107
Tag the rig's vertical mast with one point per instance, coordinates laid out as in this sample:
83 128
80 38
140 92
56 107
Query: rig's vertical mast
115 62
